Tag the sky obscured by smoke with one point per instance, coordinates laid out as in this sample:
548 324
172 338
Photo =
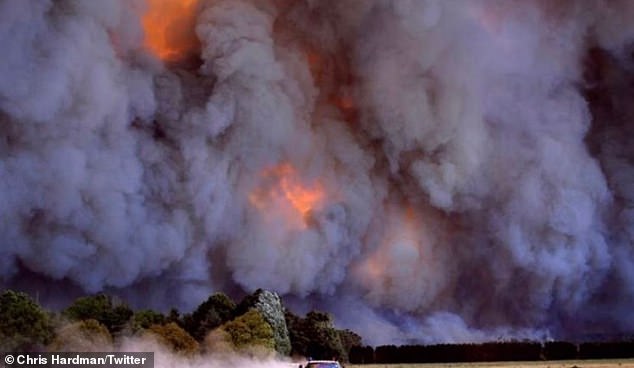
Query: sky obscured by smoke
425 170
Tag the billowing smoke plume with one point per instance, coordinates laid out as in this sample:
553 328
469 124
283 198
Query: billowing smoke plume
427 170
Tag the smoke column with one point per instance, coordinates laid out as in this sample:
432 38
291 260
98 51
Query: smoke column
434 171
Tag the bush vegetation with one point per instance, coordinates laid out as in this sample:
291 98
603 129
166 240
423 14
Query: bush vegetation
86 335
250 334
24 325
258 325
174 337
255 326
102 308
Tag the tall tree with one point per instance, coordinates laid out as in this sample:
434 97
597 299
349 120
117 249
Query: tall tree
315 336
212 313
270 307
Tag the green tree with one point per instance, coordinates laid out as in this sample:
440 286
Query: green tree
102 308
270 307
174 337
212 313
349 340
315 336
145 318
250 330
298 334
23 323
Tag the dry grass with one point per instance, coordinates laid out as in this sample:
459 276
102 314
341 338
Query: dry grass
622 363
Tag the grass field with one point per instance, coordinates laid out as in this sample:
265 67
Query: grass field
623 363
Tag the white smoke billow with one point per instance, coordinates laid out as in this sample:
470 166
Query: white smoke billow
426 170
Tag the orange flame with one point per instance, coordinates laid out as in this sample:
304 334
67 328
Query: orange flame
302 198
281 184
169 27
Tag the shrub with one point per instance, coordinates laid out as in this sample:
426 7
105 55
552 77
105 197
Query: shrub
251 333
174 337
219 342
86 335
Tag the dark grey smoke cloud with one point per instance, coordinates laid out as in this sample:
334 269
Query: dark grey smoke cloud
426 170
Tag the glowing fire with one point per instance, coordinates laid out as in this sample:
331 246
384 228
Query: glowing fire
282 186
169 27
303 199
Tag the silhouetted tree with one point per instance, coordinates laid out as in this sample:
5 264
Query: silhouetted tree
175 316
349 339
606 350
361 355
387 354
559 350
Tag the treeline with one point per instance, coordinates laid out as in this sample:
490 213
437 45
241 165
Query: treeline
259 325
490 352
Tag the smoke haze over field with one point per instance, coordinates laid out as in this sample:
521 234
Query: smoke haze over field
437 171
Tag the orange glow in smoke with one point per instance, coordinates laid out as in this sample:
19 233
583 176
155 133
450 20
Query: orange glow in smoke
333 80
302 198
315 63
344 103
347 107
403 229
169 27
283 187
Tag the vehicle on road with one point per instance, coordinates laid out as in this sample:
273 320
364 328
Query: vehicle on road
322 364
